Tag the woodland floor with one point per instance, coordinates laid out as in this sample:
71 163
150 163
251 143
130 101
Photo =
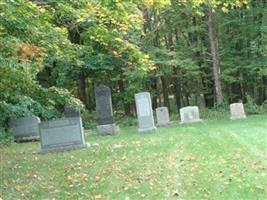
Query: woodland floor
220 159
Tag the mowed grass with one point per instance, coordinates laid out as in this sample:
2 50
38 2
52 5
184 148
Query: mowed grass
211 160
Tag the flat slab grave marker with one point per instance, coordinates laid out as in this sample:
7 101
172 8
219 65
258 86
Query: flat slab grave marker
25 128
144 112
163 117
190 114
71 112
237 111
104 111
62 134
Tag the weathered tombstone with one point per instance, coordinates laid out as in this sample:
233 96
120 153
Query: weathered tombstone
163 118
144 112
190 114
237 111
71 112
104 112
25 128
62 134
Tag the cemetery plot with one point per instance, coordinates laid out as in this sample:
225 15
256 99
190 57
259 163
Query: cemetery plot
218 159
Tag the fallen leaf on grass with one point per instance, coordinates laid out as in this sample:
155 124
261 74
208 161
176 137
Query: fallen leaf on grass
97 197
175 193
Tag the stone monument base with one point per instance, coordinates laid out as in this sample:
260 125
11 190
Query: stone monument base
238 117
107 129
62 148
166 124
151 129
27 139
194 121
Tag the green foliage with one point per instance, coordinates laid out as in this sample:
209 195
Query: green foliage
56 52
215 114
126 121
22 58
252 108
5 137
89 120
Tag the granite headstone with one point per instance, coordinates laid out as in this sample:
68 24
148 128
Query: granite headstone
237 111
71 112
190 114
144 112
25 128
104 112
163 117
61 134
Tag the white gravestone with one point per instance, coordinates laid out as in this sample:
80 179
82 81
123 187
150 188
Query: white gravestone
190 114
237 111
144 112
163 118
62 134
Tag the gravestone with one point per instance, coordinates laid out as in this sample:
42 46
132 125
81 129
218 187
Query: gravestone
237 111
71 112
25 128
62 134
144 112
163 118
104 112
190 114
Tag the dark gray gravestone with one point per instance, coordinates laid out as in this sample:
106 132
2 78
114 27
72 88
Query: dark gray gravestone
104 112
62 134
25 128
71 112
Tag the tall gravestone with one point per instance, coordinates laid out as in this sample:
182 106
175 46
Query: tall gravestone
25 128
190 114
144 112
237 111
163 117
61 134
71 112
104 112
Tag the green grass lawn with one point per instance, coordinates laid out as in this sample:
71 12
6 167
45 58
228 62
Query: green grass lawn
211 160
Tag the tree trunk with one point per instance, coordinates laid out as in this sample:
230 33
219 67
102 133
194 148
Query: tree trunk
82 89
264 81
154 97
215 58
165 92
126 106
262 91
175 79
177 89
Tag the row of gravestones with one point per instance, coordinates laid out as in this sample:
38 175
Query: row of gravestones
55 135
68 132
189 114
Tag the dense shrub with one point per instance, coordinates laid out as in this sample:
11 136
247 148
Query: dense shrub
252 108
5 137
